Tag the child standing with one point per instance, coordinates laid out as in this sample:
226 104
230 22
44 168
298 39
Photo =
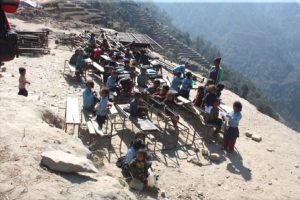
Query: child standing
186 86
232 132
23 82
89 96
176 81
102 107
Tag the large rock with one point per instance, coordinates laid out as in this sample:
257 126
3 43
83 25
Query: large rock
65 162
248 134
256 138
136 184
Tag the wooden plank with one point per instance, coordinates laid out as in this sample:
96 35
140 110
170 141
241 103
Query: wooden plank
71 67
91 128
96 127
98 67
143 124
113 110
183 100
105 57
86 119
72 111
226 108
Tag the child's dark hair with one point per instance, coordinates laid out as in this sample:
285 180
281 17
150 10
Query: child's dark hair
238 105
137 94
201 89
217 100
138 144
220 86
22 70
156 81
91 83
189 74
105 91
166 87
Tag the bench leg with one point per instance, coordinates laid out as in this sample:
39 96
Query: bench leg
121 142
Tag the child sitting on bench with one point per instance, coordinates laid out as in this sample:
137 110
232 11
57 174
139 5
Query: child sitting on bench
137 106
142 79
213 117
155 88
199 97
210 98
170 104
102 109
111 82
161 95
220 88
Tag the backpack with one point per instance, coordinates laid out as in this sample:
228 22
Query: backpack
8 39
9 6
8 46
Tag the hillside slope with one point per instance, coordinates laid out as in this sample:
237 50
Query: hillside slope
259 40
265 170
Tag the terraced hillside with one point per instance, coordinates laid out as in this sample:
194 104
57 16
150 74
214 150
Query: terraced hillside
138 17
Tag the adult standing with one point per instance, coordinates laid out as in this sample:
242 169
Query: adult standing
216 72
181 68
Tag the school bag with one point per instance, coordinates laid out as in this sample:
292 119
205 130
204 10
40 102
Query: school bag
8 39
9 6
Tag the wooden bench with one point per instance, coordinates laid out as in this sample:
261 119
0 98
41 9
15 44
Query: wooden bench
72 116
93 126
72 69
158 108
145 126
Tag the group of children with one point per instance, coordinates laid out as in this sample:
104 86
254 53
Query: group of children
208 99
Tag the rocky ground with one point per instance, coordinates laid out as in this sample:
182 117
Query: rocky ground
268 169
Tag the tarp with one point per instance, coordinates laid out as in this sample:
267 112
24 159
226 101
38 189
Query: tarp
9 6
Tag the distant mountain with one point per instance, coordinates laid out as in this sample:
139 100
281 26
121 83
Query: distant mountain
262 41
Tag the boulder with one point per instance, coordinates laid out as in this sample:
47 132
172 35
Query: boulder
68 163
248 134
256 138
214 157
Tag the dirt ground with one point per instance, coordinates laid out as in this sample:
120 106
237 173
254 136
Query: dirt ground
265 170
